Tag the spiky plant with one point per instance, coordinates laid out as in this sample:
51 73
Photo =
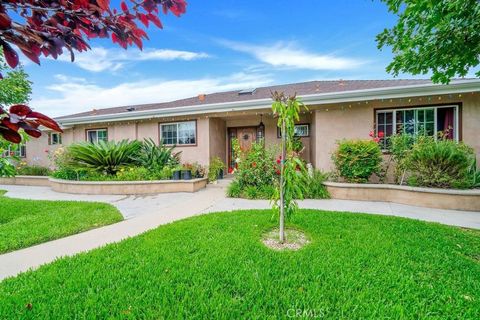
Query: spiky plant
104 156
155 157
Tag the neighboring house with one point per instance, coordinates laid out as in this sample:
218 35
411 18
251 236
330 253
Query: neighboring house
202 127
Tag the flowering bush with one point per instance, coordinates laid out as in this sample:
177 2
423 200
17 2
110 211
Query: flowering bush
256 167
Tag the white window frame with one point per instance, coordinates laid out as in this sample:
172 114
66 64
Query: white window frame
21 151
161 125
435 109
97 131
279 133
59 138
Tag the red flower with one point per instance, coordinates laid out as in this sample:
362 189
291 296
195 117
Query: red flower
279 161
230 170
12 153
381 134
376 139
46 150
277 172
254 164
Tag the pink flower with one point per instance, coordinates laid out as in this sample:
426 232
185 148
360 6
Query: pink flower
381 134
372 133
376 139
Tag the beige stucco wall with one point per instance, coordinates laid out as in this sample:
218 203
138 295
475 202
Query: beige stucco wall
328 124
355 120
218 139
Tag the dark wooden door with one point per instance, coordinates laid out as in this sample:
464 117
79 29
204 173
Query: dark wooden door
246 136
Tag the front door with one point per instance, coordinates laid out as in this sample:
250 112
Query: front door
246 136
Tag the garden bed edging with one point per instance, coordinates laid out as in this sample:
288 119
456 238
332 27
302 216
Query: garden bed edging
108 187
451 199
41 181
127 187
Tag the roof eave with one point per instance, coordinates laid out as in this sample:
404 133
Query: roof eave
460 86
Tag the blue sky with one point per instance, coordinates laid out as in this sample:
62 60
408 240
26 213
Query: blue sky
218 46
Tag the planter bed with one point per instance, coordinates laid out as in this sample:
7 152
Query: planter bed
451 199
26 181
127 187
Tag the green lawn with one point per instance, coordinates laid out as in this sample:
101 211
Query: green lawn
24 223
214 266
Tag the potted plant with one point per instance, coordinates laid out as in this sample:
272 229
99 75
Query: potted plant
186 173
215 170
177 173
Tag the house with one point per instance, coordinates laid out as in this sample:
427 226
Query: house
203 127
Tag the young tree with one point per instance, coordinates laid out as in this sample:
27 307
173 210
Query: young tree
441 37
292 170
48 27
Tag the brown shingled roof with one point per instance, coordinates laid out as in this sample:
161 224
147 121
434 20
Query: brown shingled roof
303 88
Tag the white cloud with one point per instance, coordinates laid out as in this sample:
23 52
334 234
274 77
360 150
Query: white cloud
102 59
72 95
291 55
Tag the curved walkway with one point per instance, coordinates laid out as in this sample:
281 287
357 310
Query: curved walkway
143 213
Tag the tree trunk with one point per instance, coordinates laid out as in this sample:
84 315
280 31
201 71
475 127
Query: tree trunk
282 187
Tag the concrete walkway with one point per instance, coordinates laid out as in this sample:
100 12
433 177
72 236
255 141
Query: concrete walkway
143 213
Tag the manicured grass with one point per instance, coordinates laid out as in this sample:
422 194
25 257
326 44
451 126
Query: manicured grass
215 266
24 223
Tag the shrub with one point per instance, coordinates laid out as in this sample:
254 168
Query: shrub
399 147
33 171
69 173
257 167
315 188
234 190
440 164
106 157
133 174
216 166
154 157
357 160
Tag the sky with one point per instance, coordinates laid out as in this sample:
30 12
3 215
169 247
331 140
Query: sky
220 46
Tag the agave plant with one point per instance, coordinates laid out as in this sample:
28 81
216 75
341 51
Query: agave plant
155 157
104 156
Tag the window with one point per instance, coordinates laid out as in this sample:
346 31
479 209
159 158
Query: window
301 130
179 133
21 151
96 135
54 138
427 121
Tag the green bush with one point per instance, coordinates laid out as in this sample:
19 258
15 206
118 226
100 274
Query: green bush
315 188
400 146
216 166
234 190
105 156
154 157
257 167
33 171
357 160
440 164
69 173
